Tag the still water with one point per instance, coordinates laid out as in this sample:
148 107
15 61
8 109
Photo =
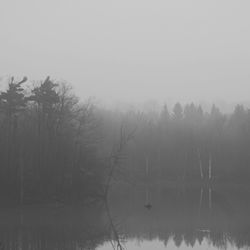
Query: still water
177 218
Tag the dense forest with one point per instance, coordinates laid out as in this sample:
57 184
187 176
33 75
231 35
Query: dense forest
54 147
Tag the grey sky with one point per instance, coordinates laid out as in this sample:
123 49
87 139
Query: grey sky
131 50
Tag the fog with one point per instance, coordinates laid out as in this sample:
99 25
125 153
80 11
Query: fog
131 51
124 124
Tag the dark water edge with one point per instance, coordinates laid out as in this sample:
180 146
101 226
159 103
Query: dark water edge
52 227
181 214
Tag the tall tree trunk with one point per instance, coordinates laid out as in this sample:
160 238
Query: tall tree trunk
200 164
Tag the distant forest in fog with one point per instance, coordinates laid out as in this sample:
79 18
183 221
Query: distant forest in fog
54 147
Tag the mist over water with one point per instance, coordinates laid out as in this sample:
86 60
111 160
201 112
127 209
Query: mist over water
124 125
180 218
77 175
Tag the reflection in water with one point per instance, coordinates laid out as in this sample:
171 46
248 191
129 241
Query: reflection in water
159 245
115 236
51 228
194 218
208 217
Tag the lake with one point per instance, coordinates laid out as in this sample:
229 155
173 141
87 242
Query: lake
134 218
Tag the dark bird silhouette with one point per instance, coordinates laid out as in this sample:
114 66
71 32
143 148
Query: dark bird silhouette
148 206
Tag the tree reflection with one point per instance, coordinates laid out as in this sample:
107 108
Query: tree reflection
50 229
115 237
184 218
210 213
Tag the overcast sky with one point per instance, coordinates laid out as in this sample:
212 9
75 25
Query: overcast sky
131 50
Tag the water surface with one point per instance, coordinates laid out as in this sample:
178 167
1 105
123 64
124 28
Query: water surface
179 218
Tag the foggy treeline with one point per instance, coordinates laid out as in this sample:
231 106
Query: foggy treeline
47 143
53 147
186 143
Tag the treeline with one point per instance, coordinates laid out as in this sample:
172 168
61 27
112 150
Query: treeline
188 144
54 147
48 143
